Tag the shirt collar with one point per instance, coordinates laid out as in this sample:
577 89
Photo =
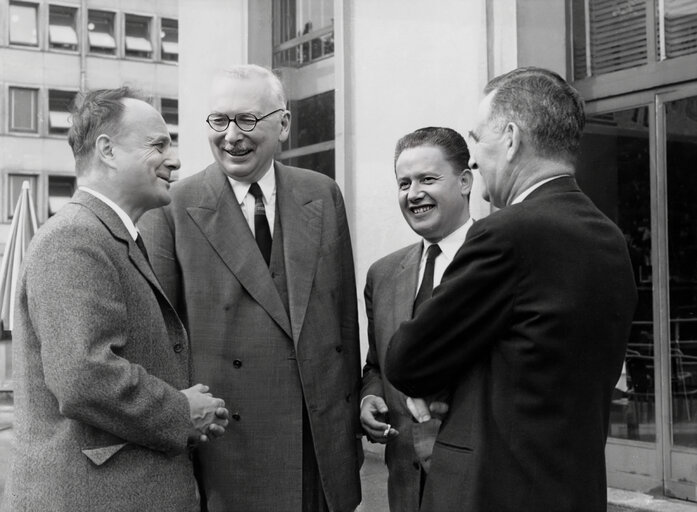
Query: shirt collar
452 243
267 184
130 226
525 193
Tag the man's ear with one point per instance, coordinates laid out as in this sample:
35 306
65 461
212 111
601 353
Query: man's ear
513 138
104 149
285 126
466 181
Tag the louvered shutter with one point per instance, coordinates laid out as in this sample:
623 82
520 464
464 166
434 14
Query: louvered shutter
680 25
618 35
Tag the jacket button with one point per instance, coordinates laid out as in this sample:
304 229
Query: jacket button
236 416
339 349
178 347
237 363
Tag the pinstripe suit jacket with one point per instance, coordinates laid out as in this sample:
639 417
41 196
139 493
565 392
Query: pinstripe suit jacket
99 358
258 356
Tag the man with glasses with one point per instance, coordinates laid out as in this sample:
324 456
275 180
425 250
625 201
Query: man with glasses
256 256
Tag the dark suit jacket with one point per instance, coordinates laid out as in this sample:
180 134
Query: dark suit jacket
99 359
260 358
528 330
389 298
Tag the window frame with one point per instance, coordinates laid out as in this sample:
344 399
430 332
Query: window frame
114 35
11 129
125 37
37 10
162 42
76 27
49 132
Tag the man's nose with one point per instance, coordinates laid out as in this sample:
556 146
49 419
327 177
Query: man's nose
472 164
415 192
172 162
233 132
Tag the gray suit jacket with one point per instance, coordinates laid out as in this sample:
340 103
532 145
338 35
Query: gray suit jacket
99 358
265 361
389 298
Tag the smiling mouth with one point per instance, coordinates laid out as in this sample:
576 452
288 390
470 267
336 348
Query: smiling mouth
237 152
421 209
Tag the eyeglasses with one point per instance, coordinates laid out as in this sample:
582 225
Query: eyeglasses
245 122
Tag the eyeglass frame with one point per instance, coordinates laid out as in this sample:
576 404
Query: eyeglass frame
233 119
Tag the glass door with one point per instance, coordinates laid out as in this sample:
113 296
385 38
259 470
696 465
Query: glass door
639 165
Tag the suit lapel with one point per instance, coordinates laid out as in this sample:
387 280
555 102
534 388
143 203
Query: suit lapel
301 222
115 225
220 219
405 284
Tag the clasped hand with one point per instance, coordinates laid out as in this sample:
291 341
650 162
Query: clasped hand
209 417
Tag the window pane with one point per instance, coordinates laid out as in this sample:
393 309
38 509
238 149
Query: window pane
23 114
170 113
313 120
170 40
60 190
59 105
680 25
614 170
322 162
61 29
138 42
298 21
578 19
617 35
23 24
100 33
15 187
681 153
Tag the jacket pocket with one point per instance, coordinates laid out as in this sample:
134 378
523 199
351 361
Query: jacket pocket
102 454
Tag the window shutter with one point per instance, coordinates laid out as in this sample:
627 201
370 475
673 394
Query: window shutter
618 35
680 23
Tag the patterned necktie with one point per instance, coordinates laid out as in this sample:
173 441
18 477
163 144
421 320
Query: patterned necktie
426 289
261 224
141 246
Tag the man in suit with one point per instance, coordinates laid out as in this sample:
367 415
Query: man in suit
528 328
256 256
434 183
99 353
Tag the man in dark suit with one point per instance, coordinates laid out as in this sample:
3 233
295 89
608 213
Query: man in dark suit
257 258
99 353
529 325
434 183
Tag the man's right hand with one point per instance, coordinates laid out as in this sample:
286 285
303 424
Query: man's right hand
373 414
209 417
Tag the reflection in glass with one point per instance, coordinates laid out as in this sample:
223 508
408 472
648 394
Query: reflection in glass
681 155
614 171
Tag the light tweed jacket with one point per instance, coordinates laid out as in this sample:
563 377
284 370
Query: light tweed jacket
99 357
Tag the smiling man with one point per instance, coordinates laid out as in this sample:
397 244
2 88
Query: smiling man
257 257
100 356
434 183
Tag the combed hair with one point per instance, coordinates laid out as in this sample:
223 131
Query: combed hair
450 141
244 71
95 113
543 104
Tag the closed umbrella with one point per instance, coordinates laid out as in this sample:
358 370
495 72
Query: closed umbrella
22 230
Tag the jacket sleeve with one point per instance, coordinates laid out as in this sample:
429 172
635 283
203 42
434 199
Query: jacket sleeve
460 322
372 375
79 316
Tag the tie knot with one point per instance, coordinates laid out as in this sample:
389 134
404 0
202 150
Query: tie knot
432 252
255 190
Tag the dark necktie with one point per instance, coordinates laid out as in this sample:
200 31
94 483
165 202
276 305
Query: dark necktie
141 246
426 289
261 224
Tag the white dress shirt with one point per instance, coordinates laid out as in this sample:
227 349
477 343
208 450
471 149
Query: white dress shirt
267 184
130 226
448 246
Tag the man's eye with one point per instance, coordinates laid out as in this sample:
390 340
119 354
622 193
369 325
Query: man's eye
404 185
428 179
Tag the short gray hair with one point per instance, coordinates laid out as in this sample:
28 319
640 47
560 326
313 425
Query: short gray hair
245 71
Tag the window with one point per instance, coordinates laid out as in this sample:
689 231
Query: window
15 188
100 32
303 31
23 24
60 190
138 42
59 104
170 40
170 113
612 35
23 110
62 21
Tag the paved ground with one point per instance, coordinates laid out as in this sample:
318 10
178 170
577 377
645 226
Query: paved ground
374 479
